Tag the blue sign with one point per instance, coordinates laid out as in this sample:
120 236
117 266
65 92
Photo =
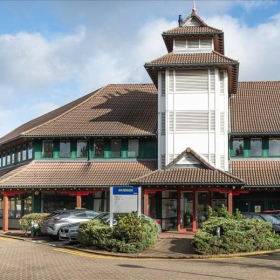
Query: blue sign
125 190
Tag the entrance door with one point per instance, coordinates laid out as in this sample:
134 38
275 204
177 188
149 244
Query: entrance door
201 208
186 210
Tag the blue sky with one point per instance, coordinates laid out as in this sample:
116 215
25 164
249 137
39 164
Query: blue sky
52 52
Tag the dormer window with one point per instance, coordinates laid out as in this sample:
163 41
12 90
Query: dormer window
193 45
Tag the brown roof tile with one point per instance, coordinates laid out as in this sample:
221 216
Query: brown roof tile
174 59
73 174
187 30
255 108
257 173
42 119
128 109
188 176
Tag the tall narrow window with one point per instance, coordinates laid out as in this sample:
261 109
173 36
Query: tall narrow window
30 150
81 149
64 149
162 123
238 147
99 148
19 154
13 157
163 83
256 147
24 152
133 147
274 147
4 160
47 149
9 158
115 148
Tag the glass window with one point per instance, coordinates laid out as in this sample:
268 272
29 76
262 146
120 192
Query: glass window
13 157
99 148
133 147
115 148
274 147
238 147
82 149
47 149
256 147
30 150
24 153
64 149
18 154
0 161
8 158
4 160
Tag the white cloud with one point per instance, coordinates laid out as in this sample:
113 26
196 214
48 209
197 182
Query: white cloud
257 48
33 65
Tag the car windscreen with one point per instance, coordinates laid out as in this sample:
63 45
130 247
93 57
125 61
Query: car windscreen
272 219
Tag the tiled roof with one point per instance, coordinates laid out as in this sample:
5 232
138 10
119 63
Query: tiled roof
124 109
76 174
174 175
187 176
174 59
43 119
257 173
255 108
185 60
182 30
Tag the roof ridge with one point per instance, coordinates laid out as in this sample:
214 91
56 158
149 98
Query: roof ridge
231 175
159 57
215 52
19 172
196 155
68 111
144 176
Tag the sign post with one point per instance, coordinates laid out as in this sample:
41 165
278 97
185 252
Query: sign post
124 200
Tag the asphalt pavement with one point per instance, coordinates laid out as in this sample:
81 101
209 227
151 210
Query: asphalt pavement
24 260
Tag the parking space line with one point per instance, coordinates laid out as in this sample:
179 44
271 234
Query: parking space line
96 256
8 239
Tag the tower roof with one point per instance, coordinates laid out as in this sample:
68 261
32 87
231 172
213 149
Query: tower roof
195 60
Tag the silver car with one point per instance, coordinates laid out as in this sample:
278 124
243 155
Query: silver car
71 232
58 219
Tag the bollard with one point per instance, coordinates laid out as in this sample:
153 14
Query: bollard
218 231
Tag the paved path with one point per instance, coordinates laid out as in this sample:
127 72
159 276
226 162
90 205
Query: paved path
23 260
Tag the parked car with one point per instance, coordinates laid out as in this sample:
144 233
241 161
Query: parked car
52 224
71 232
273 219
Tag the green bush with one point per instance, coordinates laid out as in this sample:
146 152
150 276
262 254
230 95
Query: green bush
25 222
132 234
236 235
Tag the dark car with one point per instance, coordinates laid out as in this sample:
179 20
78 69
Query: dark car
273 219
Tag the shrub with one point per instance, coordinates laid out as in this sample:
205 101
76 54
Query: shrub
132 234
26 220
236 235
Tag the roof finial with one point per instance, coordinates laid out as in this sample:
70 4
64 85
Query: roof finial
194 8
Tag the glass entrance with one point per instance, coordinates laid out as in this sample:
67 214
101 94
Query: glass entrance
169 210
201 208
186 211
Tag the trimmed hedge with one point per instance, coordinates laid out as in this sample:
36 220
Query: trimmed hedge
132 234
25 222
236 235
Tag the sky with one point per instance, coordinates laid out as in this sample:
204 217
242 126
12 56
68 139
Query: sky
53 52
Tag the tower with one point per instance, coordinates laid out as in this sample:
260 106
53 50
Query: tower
194 80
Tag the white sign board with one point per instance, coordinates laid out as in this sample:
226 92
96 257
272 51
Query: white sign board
124 200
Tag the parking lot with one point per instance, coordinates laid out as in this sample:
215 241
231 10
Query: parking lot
29 260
